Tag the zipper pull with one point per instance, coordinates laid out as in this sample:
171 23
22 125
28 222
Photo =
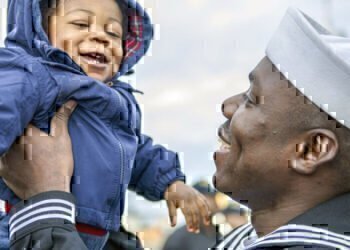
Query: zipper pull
110 84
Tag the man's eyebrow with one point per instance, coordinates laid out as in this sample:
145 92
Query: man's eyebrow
254 82
251 77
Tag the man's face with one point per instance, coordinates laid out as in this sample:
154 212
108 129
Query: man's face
253 165
90 32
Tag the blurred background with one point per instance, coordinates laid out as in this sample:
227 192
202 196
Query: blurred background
202 53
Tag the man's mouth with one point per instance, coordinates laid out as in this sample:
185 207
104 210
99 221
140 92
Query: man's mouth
224 140
224 146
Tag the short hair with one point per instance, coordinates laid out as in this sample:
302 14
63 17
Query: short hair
48 7
310 116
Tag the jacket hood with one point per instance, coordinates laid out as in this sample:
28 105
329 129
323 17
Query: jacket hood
25 32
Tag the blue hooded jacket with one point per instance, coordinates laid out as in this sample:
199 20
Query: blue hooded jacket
110 153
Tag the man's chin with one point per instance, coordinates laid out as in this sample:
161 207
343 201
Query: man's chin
217 184
214 181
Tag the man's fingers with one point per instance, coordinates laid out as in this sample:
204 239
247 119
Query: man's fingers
172 213
31 130
3 166
59 123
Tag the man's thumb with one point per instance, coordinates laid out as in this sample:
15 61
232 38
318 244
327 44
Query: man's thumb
69 107
60 120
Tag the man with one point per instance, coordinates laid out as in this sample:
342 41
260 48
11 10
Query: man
286 143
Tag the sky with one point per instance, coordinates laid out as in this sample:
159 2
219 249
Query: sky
202 54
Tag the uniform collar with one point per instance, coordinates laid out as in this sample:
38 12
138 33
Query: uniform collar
333 215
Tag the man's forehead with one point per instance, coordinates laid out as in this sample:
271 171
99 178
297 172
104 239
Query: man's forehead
268 85
264 69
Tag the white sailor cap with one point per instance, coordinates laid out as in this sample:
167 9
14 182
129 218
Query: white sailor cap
315 61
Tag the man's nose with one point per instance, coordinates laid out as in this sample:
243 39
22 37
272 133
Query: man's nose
230 105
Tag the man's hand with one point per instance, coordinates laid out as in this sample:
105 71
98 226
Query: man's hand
38 162
192 203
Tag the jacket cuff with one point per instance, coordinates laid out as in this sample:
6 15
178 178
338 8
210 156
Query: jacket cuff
44 210
165 180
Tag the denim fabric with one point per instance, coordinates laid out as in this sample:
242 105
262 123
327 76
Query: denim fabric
110 152
4 231
94 242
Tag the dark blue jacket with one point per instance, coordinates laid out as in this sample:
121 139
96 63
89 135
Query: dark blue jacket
110 153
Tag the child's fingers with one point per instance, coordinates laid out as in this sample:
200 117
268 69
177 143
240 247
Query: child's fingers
196 217
172 213
189 217
204 209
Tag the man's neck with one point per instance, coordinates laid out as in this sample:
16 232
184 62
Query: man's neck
266 221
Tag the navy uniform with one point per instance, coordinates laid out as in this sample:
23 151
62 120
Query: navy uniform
45 221
326 226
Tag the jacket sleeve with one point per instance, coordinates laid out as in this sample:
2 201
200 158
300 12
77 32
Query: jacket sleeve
45 221
154 170
20 97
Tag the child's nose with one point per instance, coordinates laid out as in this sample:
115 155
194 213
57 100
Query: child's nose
100 37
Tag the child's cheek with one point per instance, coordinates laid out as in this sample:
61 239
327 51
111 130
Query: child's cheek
68 47
117 59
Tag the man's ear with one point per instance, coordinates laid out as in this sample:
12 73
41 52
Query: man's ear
317 147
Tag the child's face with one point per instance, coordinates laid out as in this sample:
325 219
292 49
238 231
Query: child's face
91 33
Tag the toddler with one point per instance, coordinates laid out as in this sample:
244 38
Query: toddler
76 50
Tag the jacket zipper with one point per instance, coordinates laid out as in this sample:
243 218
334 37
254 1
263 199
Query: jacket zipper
116 202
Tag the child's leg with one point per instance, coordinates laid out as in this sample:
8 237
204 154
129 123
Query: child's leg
94 242
4 231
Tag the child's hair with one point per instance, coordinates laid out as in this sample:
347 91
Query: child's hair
48 7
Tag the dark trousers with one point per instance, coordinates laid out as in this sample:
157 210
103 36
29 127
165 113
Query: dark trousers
123 240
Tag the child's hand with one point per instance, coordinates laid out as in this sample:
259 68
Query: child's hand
192 203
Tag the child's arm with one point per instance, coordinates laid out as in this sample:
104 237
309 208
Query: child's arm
192 203
157 175
154 169
20 95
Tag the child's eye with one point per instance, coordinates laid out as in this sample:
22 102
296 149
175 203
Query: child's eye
117 35
81 25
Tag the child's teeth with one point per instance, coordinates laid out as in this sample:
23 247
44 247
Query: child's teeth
91 60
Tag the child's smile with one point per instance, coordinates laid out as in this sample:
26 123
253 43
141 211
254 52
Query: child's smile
91 35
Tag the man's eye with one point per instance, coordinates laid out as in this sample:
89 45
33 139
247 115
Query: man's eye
248 99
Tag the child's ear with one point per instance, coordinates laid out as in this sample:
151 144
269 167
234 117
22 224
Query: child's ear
317 147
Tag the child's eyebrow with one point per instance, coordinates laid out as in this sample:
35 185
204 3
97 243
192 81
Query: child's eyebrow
91 13
84 10
114 19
